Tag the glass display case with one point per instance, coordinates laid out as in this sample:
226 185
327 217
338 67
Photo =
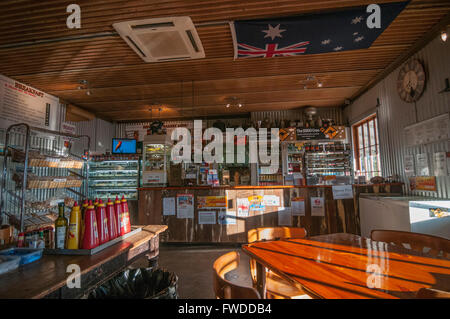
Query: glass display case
156 157
111 176
324 162
293 163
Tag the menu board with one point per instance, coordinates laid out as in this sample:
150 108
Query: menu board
20 103
428 131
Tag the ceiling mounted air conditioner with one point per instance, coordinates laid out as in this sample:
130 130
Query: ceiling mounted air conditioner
162 39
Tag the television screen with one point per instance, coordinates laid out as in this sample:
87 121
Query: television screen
123 146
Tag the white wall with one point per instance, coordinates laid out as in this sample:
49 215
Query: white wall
394 114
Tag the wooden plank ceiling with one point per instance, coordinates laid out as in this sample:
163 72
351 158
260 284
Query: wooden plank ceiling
123 87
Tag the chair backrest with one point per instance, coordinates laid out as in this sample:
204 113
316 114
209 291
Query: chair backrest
428 293
438 246
225 289
273 233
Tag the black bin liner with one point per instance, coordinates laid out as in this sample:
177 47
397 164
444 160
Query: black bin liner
139 283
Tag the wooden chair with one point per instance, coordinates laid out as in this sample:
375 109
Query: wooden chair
276 286
428 293
438 246
225 289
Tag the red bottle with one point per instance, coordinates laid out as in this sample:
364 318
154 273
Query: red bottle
102 223
112 221
90 239
118 211
125 224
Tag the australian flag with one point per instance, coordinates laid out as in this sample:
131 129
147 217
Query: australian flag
349 29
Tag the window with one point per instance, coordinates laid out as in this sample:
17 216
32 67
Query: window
367 148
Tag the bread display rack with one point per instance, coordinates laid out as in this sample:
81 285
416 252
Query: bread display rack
39 171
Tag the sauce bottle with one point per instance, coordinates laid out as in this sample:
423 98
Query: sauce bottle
74 232
60 228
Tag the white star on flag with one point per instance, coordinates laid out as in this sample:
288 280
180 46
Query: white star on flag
327 41
357 20
273 32
338 48
359 39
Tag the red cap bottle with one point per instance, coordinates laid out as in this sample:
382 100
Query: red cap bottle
125 224
90 239
112 221
102 223
118 212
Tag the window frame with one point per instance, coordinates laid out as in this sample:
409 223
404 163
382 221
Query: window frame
360 151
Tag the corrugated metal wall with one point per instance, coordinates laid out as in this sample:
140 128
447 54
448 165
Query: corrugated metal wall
394 114
100 131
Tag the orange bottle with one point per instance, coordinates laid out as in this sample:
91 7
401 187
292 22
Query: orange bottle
125 224
90 239
112 221
102 223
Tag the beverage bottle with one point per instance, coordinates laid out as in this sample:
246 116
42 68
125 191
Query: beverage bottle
41 240
74 232
21 240
60 228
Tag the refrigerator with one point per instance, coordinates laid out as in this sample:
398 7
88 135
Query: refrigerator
406 213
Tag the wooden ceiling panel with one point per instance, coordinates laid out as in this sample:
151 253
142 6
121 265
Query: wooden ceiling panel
122 86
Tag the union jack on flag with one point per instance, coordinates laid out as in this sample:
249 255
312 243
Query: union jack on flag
271 50
311 33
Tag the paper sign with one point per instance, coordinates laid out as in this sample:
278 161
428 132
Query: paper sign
185 206
317 206
423 183
256 203
271 200
422 164
440 164
284 216
207 217
211 202
409 165
169 206
227 217
342 191
243 206
298 206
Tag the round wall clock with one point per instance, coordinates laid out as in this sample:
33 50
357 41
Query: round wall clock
411 81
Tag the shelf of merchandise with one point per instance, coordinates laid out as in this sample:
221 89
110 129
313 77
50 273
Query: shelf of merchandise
23 205
114 177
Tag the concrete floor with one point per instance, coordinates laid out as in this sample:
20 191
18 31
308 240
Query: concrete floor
193 266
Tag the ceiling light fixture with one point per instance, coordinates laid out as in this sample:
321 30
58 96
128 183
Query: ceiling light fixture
233 101
319 84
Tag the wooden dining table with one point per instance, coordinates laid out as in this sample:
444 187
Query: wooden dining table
347 266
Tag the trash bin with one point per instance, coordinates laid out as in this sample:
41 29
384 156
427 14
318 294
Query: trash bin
139 283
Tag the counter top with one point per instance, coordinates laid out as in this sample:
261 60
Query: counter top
255 187
41 278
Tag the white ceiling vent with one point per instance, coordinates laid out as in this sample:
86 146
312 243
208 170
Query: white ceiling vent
162 39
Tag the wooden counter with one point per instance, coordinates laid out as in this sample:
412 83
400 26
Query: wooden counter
340 215
46 278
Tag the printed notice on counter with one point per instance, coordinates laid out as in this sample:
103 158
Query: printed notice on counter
342 191
422 164
284 216
298 206
185 206
440 164
211 202
207 217
317 206
409 165
243 206
169 206
271 200
20 103
227 217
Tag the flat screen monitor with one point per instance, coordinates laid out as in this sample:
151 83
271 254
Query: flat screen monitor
123 146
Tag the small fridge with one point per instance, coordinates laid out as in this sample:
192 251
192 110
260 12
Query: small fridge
406 213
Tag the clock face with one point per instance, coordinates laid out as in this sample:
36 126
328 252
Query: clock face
411 81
